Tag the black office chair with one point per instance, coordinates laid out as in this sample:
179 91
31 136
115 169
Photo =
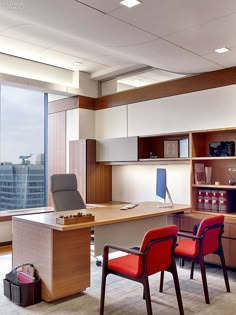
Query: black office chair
65 195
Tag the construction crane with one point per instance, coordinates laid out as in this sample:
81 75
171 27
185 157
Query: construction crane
24 158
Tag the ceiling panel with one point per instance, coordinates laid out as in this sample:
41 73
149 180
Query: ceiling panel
56 58
18 48
176 59
103 5
167 17
226 60
113 60
81 48
33 34
178 36
81 21
205 39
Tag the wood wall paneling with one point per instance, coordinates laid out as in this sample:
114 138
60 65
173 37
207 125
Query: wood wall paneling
94 180
86 102
77 164
185 85
56 146
99 177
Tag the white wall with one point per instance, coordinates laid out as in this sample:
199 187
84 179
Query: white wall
209 109
111 122
80 124
86 124
136 183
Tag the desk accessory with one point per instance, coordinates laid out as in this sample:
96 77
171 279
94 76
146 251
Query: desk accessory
75 218
129 206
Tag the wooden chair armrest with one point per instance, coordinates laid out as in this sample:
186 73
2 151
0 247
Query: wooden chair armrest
189 235
122 249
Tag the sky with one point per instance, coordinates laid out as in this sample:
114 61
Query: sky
21 124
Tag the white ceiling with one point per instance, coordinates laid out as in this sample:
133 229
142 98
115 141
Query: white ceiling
174 35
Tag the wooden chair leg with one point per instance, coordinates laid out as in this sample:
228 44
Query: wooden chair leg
147 296
103 289
192 270
161 282
222 259
177 290
204 280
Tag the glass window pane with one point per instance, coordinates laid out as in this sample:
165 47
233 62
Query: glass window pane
22 148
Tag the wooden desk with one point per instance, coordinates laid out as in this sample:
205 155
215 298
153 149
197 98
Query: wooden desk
61 253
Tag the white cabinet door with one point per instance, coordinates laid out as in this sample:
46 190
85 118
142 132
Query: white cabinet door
117 149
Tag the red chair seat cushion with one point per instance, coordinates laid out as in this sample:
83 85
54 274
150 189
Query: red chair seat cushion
128 265
186 248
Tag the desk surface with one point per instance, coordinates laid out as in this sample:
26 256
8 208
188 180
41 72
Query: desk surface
103 215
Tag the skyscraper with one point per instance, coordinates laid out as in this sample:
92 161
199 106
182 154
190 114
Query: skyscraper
22 185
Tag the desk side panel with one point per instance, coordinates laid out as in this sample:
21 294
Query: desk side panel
33 244
71 261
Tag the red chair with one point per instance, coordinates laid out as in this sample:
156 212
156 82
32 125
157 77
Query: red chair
206 241
156 254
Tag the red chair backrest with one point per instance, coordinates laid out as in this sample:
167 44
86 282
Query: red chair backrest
159 256
211 238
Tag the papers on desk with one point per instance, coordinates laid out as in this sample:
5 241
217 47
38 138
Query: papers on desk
129 206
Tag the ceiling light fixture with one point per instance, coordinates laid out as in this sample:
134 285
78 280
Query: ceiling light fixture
77 63
130 3
221 50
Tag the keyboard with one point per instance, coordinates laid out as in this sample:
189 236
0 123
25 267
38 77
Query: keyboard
129 206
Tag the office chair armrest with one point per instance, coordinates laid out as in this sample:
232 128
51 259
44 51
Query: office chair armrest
188 235
122 249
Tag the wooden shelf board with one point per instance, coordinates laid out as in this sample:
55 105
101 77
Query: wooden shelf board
151 161
233 187
214 158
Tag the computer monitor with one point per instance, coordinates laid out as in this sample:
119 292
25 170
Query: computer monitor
161 188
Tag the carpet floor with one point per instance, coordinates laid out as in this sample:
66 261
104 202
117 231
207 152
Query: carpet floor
124 297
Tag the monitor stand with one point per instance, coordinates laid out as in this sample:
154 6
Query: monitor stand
167 205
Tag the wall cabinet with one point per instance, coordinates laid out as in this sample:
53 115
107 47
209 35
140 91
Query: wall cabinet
117 149
171 147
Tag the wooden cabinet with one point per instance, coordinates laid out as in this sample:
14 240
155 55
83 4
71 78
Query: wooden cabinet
94 179
186 222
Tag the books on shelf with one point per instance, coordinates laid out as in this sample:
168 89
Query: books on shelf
199 172
215 200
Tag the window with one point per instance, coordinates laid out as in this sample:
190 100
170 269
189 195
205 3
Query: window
23 153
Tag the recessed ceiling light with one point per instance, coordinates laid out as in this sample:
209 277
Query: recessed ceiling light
130 3
221 50
77 63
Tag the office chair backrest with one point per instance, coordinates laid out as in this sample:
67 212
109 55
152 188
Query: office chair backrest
160 244
65 195
211 228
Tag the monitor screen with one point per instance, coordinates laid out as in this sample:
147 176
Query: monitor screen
161 183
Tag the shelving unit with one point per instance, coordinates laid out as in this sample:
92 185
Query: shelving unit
220 164
155 145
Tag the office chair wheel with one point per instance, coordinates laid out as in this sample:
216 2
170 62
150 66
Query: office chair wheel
98 263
